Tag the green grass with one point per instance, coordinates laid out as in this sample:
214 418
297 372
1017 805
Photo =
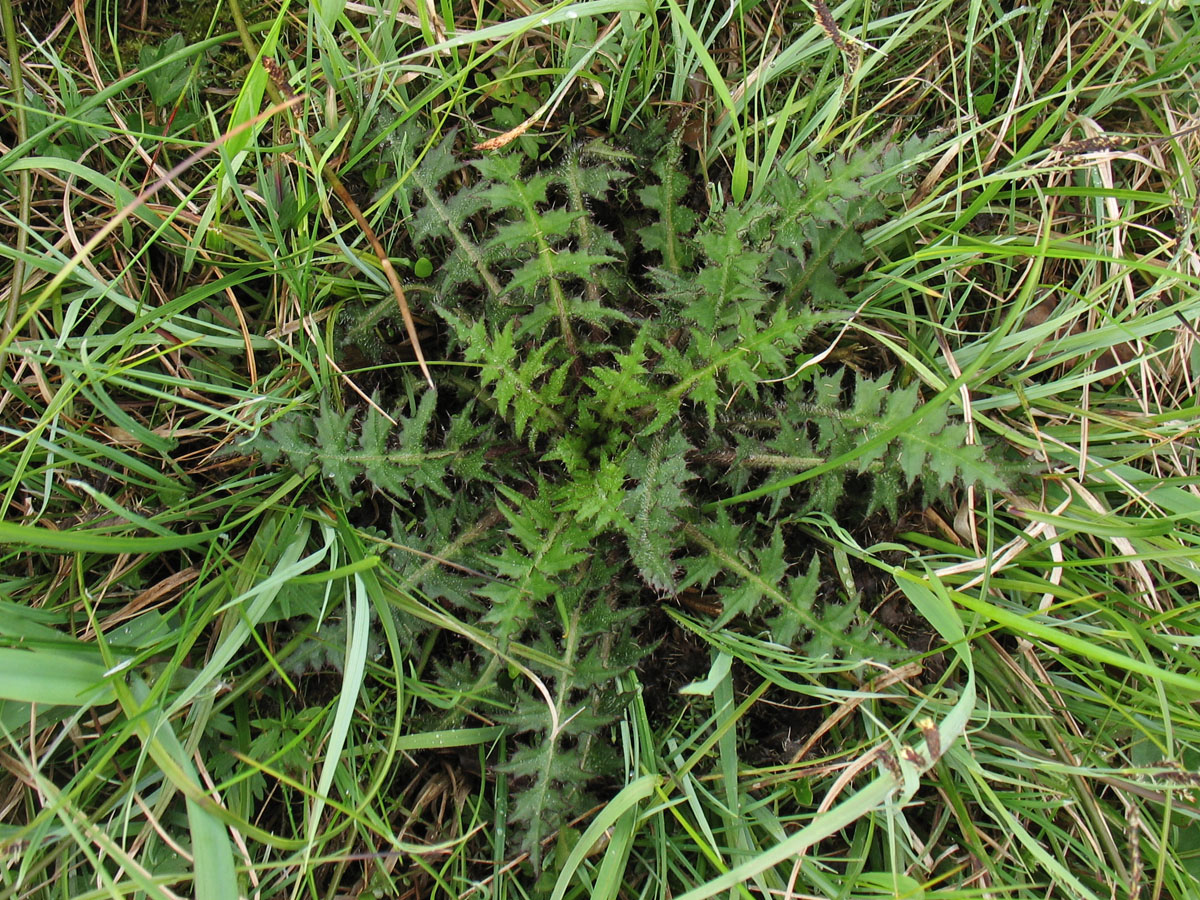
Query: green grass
225 676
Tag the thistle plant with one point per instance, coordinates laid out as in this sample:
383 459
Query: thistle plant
631 359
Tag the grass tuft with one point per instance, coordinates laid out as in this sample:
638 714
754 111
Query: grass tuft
599 450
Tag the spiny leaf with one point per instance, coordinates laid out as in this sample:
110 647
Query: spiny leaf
731 277
652 528
333 438
512 382
668 235
437 216
587 180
